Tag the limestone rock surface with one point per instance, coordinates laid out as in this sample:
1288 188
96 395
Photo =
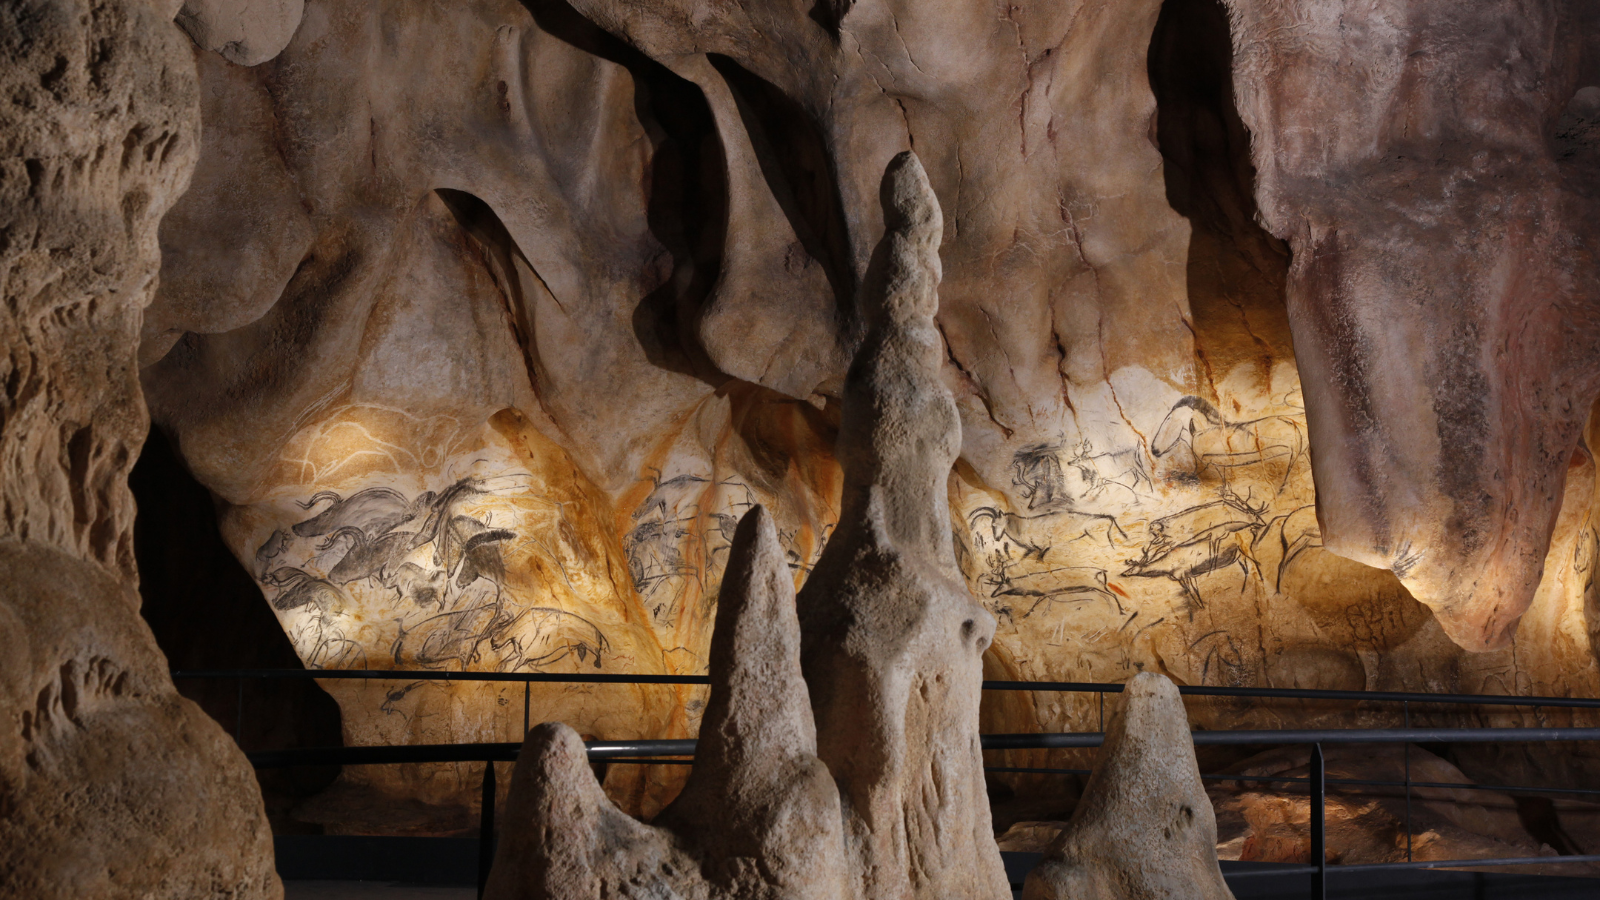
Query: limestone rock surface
246 32
111 785
580 305
1144 828
1442 294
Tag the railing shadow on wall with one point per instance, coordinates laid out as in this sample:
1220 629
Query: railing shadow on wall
680 752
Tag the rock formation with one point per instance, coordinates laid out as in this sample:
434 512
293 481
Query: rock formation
111 785
893 641
484 369
892 648
1144 828
759 817
1449 368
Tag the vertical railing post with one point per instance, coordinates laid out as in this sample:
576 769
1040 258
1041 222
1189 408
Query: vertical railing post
1319 825
486 829
1406 749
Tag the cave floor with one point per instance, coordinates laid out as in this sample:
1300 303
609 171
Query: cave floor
373 890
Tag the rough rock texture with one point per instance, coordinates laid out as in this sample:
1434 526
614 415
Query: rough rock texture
1144 828
243 31
759 817
893 640
1443 294
1368 824
111 785
483 369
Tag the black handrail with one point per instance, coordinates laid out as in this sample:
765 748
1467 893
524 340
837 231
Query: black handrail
619 750
650 752
1056 686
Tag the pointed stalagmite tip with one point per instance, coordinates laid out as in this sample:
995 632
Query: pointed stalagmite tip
909 204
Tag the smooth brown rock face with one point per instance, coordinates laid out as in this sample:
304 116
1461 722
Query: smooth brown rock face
111 785
1144 828
1443 294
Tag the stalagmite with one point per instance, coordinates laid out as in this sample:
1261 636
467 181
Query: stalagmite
1144 828
893 640
759 817
892 647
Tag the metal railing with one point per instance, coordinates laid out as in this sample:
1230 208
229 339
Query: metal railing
672 752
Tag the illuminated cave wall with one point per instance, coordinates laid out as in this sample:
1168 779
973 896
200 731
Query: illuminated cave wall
482 367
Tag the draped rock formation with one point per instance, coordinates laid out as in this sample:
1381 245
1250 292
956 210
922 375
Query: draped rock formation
1449 367
111 785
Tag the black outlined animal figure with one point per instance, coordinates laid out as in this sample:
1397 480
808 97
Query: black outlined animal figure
1195 437
654 554
366 558
1036 473
271 549
1059 584
374 510
1198 541
1296 532
667 497
298 588
1127 468
368 525
436 553
1035 535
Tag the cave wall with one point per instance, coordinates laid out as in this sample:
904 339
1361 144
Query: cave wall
111 784
1262 381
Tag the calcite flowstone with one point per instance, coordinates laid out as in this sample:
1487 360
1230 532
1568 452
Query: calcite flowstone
1144 828
111 785
1444 293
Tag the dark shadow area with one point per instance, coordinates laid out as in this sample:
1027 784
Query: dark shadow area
688 191
1237 270
798 170
207 613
